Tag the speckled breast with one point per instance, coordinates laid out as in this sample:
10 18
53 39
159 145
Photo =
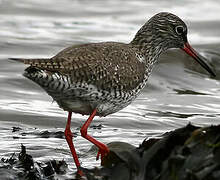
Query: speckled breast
82 97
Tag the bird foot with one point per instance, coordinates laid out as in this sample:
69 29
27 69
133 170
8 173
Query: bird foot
102 152
79 173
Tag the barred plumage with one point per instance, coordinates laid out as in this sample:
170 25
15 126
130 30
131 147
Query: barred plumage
103 78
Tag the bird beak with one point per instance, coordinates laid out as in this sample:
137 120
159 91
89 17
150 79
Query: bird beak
201 60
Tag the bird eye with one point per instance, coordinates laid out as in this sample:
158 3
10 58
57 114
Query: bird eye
179 30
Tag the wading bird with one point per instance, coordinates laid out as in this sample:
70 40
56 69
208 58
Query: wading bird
98 79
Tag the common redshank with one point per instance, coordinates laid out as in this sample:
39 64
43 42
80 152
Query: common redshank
98 79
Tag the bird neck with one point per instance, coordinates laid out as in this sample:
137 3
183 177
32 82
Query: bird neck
148 45
148 41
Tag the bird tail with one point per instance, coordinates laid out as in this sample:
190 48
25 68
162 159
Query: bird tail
30 61
17 59
25 61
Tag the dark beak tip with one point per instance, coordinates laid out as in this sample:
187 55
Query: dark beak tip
211 71
213 74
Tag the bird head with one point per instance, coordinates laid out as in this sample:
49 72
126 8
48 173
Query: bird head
164 31
168 30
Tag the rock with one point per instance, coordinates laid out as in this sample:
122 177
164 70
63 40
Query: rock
189 153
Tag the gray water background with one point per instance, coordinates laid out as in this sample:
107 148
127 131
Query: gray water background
179 91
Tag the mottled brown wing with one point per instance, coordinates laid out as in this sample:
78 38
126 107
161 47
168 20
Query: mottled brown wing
105 65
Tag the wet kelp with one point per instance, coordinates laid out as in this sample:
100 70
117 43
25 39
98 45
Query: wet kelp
23 167
189 153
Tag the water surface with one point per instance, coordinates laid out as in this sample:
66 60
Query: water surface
179 91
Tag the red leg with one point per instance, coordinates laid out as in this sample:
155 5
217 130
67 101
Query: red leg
69 139
103 149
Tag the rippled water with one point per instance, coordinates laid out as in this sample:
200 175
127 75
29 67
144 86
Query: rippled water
179 90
